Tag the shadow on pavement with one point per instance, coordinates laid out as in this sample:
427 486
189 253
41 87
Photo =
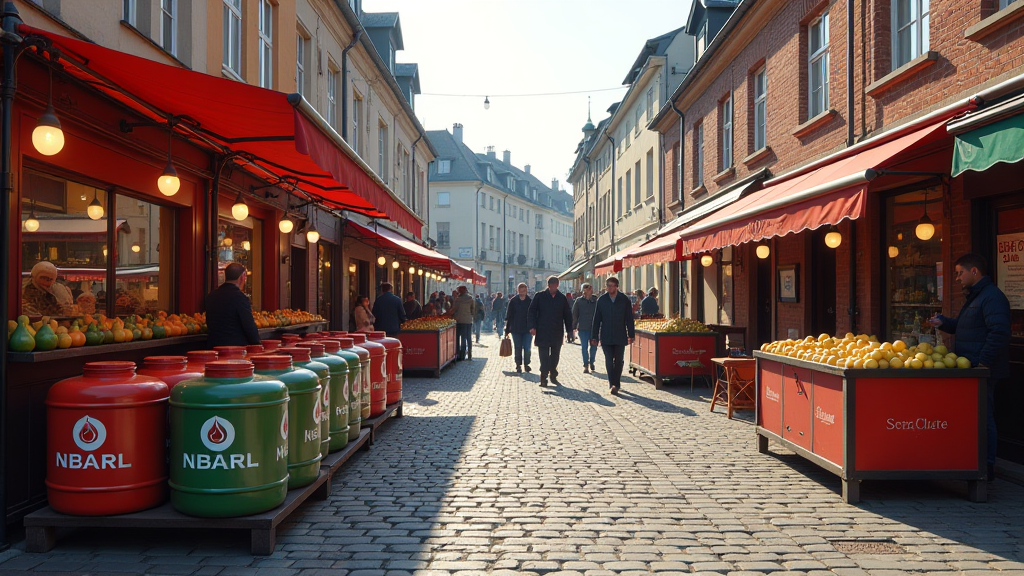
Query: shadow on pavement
578 395
656 405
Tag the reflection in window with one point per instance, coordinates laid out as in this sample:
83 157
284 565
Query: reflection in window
145 245
324 276
57 230
242 242
915 266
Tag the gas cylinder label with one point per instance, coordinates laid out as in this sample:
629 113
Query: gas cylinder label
318 417
284 425
325 413
217 434
89 434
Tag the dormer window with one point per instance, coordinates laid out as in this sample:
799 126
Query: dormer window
534 194
490 174
444 166
511 183
702 39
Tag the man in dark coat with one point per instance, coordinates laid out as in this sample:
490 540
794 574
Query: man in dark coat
229 312
413 310
649 305
549 314
982 332
498 306
388 311
613 327
517 324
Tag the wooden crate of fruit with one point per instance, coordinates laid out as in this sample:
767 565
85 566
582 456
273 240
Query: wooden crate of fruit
672 349
428 344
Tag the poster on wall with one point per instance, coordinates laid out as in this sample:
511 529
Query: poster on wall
1010 268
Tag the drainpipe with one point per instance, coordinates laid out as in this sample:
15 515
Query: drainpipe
679 170
849 73
344 84
611 199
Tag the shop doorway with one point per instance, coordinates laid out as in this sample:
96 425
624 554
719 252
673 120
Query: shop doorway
1007 264
764 301
300 278
823 284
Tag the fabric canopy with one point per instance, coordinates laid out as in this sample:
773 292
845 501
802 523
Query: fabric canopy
573 270
276 132
659 249
614 262
984 147
393 242
824 196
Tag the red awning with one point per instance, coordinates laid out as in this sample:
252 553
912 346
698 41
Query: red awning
479 278
824 196
613 263
385 239
659 249
281 139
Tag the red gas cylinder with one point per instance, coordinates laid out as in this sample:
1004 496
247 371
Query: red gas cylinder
253 349
197 359
289 339
170 369
378 376
271 345
393 346
312 336
230 352
106 441
339 334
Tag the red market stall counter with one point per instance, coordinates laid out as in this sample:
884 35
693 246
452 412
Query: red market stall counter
671 355
427 350
862 424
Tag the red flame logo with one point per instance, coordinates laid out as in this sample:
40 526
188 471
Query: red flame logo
285 426
217 434
88 434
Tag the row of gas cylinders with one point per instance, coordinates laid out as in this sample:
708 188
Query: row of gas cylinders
226 431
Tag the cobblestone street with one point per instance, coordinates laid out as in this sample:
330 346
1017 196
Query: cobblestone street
488 471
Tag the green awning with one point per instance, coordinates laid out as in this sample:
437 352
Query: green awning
983 147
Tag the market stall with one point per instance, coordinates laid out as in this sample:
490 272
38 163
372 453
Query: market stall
871 423
428 344
672 349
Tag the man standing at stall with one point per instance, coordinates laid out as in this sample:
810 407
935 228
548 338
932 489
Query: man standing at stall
549 313
463 311
613 327
649 305
517 324
388 312
229 318
982 332
413 309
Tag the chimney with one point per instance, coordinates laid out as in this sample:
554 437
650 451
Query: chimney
490 152
457 131
526 168
554 184
506 157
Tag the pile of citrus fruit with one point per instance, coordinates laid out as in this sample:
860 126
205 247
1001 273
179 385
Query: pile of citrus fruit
429 323
674 325
865 351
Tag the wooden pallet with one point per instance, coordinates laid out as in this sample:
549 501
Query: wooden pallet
392 410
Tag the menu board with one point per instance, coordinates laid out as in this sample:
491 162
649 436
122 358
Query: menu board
1010 267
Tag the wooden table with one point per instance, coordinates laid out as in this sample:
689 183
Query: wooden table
734 384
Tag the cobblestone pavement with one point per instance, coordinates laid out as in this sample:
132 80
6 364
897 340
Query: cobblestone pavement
488 471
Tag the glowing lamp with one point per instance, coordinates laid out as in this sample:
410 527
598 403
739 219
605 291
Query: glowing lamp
136 248
47 137
706 260
312 236
419 272
395 264
286 226
32 224
412 269
925 229
833 239
893 251
168 182
382 261
246 245
95 209
352 268
763 251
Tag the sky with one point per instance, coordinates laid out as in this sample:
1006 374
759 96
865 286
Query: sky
498 48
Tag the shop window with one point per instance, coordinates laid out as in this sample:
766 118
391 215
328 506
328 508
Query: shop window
145 251
914 265
1007 265
726 297
325 285
242 242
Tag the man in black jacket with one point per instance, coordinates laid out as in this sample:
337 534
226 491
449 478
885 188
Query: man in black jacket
982 332
613 327
388 311
229 312
517 324
497 312
549 313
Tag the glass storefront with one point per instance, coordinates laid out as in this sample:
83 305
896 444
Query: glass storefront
145 249
1008 266
324 290
914 266
241 242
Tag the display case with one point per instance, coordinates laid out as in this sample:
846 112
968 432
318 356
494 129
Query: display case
914 266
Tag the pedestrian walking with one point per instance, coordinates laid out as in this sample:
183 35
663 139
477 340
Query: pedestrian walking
478 317
497 312
583 309
388 312
613 328
549 314
463 311
517 324
649 305
571 337
982 333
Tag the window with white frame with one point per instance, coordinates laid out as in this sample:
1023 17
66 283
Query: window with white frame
483 200
636 184
726 110
818 64
444 166
382 151
129 11
483 234
702 39
910 25
444 199
698 161
1005 3
650 103
650 173
357 122
301 43
760 108
332 96
636 120
169 26
232 58
266 44
443 234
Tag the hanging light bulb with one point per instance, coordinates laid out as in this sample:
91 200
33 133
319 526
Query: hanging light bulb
707 260
104 251
893 251
47 137
763 251
412 269
925 229
419 271
327 264
382 261
352 268
312 236
95 209
32 223
487 103
239 210
168 182
246 245
395 264
136 248
285 225
833 239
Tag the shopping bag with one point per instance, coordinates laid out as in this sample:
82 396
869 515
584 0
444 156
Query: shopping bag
506 347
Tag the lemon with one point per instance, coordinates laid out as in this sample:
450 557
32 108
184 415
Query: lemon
929 364
896 363
962 362
940 349
949 362
886 345
883 364
922 356
899 346
858 363
916 364
936 357
871 364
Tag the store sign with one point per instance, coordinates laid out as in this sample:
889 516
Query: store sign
1010 268
465 252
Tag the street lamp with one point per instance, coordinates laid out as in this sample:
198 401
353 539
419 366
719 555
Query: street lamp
47 137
